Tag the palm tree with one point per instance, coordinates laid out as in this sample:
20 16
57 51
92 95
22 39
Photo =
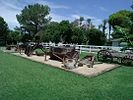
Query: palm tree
88 22
100 26
109 30
81 19
104 25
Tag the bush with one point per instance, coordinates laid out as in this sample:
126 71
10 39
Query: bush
39 52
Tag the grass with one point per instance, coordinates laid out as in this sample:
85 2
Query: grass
83 54
22 79
39 50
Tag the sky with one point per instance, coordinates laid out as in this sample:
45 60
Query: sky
97 10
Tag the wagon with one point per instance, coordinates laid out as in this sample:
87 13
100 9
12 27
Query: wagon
66 54
111 55
62 52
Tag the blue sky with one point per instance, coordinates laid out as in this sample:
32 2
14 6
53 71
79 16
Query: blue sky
97 10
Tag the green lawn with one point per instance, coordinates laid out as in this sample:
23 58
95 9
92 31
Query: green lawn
21 79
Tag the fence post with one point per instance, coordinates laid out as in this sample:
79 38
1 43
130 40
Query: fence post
90 49
80 49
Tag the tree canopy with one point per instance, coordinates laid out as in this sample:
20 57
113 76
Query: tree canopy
3 30
33 18
96 37
35 25
119 18
13 37
122 23
51 33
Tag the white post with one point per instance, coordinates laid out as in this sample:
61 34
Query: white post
90 49
80 49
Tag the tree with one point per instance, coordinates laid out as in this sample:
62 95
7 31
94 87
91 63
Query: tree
66 31
104 26
78 36
75 23
25 38
33 18
13 37
127 34
96 37
81 19
109 31
51 33
89 24
100 26
119 18
3 31
88 21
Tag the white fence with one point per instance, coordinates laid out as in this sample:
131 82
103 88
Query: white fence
87 48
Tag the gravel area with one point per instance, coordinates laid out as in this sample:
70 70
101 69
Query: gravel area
84 70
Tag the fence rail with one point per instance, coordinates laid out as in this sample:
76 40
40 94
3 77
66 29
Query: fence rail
87 48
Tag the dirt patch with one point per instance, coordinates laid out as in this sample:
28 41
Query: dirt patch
84 70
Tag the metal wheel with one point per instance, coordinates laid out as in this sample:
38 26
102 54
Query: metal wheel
127 60
104 55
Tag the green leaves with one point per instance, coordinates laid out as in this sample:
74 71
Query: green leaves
119 18
122 23
96 37
13 37
33 18
127 36
3 31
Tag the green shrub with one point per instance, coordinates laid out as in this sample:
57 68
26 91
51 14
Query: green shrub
39 52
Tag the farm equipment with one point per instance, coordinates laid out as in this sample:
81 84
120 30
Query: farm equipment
120 57
66 54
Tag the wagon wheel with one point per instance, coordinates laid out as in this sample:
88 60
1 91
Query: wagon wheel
104 55
127 60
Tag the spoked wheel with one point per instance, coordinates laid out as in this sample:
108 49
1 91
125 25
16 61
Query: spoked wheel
104 55
127 60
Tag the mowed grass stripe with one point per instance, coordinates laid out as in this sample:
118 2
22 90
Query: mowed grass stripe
21 79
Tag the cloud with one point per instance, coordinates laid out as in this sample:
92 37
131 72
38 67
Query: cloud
10 5
103 9
59 18
8 12
76 16
97 22
52 5
10 8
